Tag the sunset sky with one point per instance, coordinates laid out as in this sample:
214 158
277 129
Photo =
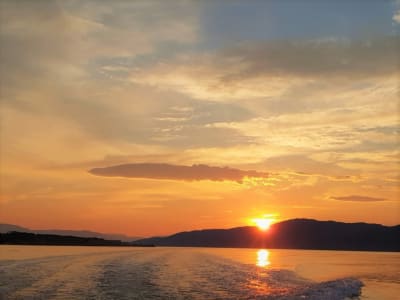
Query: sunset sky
152 117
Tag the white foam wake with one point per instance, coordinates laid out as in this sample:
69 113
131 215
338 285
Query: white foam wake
160 274
346 288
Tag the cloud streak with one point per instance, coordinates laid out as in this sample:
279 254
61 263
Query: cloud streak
358 198
177 172
270 69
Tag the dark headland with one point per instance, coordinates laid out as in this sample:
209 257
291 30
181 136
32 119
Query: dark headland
291 234
26 238
4 228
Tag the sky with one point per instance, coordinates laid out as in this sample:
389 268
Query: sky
153 117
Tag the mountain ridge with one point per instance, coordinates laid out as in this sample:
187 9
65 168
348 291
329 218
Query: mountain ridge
291 234
4 228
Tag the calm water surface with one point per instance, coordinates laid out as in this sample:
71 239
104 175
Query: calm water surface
55 272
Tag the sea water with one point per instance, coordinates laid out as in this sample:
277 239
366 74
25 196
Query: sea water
58 272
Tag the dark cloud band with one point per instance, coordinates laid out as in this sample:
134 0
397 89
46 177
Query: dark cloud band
358 198
176 172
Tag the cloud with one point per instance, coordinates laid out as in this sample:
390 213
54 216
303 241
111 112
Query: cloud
396 17
271 69
329 57
82 44
66 40
177 172
357 198
302 164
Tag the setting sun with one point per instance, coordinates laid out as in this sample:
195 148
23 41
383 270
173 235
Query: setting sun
263 223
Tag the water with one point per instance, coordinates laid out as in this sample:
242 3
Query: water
55 272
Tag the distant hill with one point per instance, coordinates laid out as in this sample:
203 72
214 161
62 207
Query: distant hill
292 234
27 238
4 228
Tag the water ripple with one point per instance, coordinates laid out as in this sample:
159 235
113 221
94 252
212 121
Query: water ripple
158 274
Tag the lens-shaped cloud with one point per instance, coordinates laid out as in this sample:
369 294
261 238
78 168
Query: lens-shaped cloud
358 198
177 172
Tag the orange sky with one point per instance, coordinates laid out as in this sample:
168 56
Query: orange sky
298 121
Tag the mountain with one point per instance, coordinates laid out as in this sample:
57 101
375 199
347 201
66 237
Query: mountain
27 238
4 228
86 233
291 234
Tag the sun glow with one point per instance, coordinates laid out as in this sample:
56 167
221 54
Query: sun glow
263 223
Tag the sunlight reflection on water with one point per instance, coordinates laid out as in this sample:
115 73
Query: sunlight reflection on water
263 258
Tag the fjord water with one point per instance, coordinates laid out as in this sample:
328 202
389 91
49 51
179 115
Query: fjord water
55 272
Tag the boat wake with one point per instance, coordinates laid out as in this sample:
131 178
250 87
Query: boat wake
159 274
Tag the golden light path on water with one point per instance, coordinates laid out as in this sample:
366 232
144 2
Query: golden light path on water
263 258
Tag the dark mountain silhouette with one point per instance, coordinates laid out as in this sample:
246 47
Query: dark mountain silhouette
4 228
292 234
26 238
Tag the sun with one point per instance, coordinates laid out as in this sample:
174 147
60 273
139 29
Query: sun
263 223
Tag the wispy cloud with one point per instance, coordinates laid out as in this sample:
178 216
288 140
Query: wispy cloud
396 14
270 69
396 17
358 198
177 172
69 39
